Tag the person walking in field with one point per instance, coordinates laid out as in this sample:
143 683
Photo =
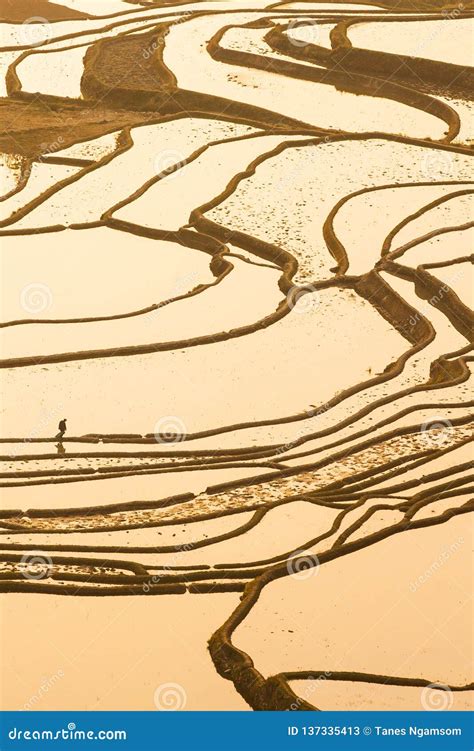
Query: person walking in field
62 429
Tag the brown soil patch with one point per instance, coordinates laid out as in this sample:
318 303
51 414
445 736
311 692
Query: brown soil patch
29 125
22 10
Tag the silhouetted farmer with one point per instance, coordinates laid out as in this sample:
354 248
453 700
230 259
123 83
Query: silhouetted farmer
62 429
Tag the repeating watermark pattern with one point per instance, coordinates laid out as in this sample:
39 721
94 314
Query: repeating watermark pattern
36 298
305 431
311 685
182 286
307 32
303 565
436 432
170 697
157 578
50 148
160 42
303 299
183 283
170 429
35 31
438 164
443 558
452 13
437 697
36 565
448 14
46 418
47 684
169 162
425 308
150 50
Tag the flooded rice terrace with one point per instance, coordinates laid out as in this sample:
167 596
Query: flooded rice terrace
236 248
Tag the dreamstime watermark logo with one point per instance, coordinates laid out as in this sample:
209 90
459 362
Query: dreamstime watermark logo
302 32
438 164
170 429
50 147
313 683
71 733
35 31
182 286
305 431
443 558
169 162
36 298
149 51
157 579
183 283
44 422
303 299
435 301
450 14
303 565
159 42
170 697
437 697
46 417
436 432
36 565
47 684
